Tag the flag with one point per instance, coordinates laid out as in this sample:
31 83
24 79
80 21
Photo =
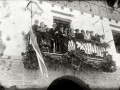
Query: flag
34 8
41 62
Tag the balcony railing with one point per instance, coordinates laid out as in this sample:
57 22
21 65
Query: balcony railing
93 50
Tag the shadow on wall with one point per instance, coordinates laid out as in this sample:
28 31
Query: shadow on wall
2 46
68 82
65 83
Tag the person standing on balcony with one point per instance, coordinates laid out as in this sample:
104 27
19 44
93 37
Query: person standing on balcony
87 45
82 34
92 36
36 32
102 39
87 35
77 34
66 30
97 48
41 30
52 32
48 38
66 39
97 38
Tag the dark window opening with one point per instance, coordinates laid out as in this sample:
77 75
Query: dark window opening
116 37
61 21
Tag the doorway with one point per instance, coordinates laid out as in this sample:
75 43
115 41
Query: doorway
116 38
62 21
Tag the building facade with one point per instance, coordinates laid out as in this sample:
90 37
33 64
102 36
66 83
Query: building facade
15 21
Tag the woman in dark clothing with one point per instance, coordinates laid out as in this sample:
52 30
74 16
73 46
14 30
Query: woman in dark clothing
34 27
41 29
48 38
77 34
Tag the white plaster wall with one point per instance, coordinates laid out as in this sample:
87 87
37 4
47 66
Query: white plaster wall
14 19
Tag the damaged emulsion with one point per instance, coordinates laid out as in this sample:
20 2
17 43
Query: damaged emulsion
2 46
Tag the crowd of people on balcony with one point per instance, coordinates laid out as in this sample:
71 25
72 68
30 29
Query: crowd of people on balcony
57 38
89 36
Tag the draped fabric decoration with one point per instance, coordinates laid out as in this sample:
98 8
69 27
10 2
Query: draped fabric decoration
37 10
71 45
41 63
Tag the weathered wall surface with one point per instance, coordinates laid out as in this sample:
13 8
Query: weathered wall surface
15 20
95 7
23 78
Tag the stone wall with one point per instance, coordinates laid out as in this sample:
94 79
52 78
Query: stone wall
14 73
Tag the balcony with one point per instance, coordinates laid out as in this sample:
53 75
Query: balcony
93 50
80 54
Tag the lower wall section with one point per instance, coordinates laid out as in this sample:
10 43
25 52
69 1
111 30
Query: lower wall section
12 72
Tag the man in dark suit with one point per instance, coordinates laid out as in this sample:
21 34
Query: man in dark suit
61 37
34 27
92 36
79 35
36 32
52 32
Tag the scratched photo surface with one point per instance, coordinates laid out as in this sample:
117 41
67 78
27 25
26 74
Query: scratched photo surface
60 44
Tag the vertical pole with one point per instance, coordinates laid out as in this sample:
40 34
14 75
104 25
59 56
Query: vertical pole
31 12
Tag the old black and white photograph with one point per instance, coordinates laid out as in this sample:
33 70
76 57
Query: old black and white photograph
59 44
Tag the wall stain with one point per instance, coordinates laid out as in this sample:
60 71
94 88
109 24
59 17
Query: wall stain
5 65
8 38
7 15
2 45
5 3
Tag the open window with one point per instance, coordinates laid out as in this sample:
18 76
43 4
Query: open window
61 21
116 37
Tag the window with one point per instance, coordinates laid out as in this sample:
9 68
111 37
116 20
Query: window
116 37
61 21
